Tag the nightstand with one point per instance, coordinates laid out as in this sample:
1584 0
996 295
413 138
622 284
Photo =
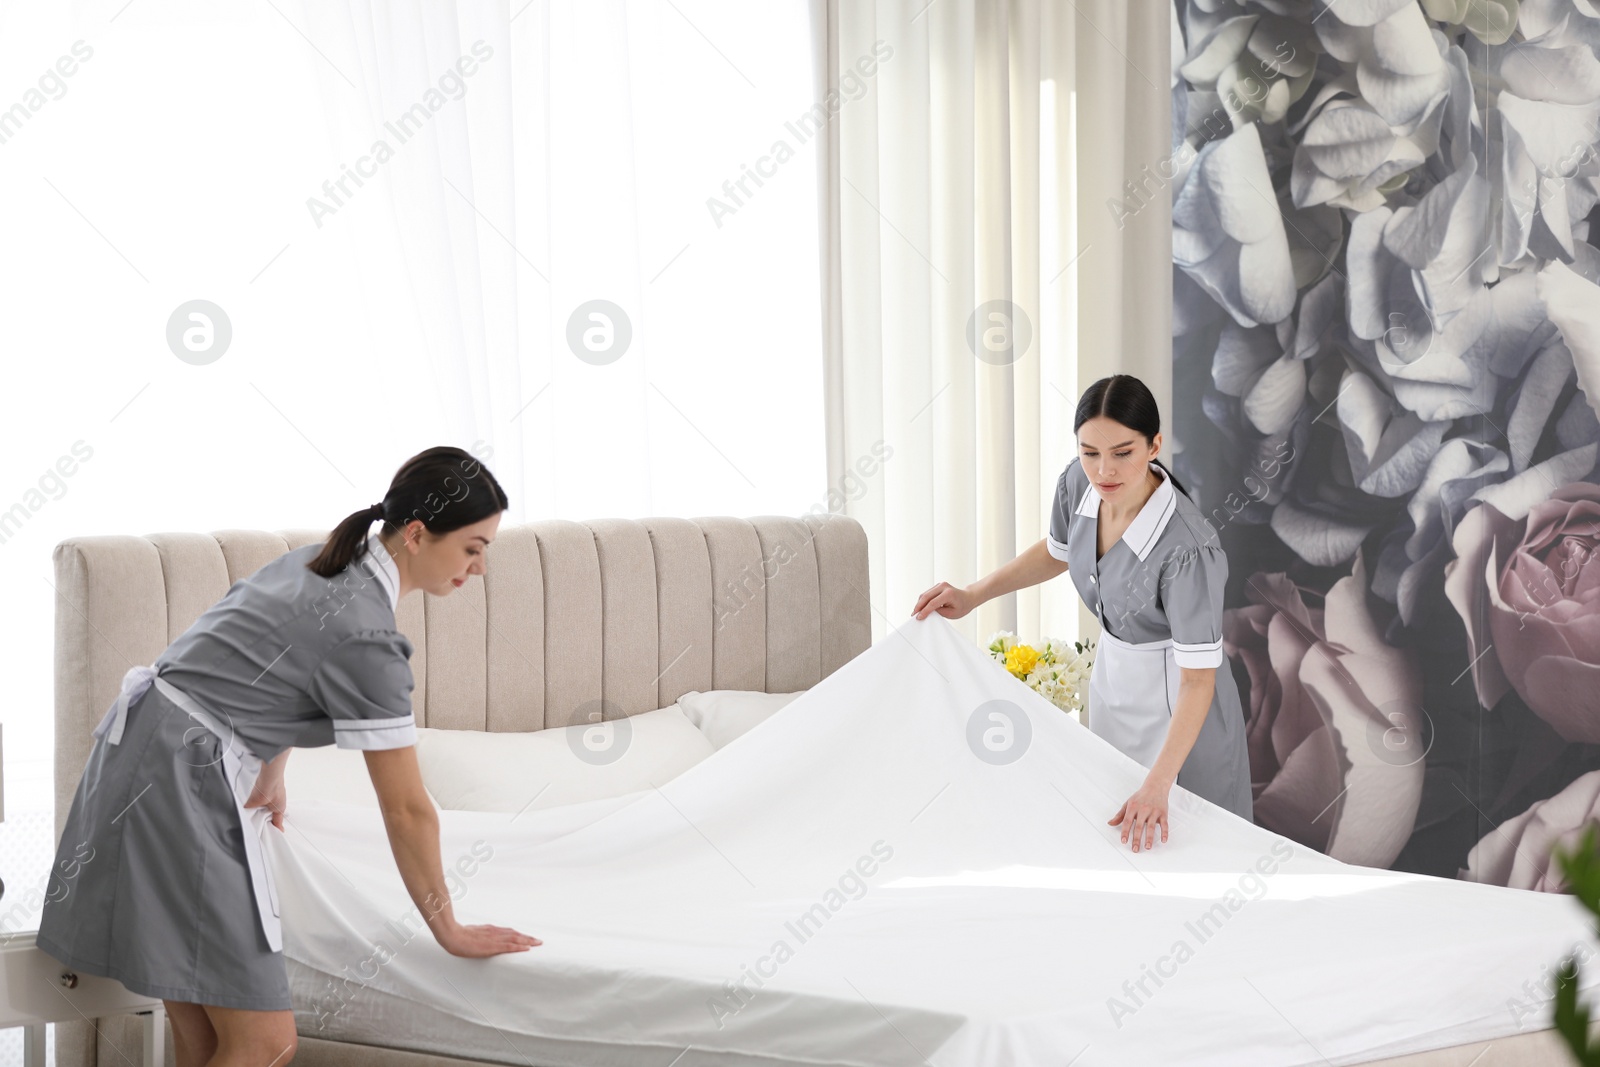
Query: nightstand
36 989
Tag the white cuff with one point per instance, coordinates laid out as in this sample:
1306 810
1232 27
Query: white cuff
1198 656
1057 549
373 735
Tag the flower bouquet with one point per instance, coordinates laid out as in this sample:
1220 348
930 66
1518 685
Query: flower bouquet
1058 671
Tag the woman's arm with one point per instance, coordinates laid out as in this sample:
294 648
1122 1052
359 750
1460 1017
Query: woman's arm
1196 686
413 828
1147 808
1033 565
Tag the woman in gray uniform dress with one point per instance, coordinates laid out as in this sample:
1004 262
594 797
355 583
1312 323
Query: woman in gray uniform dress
175 899
1149 565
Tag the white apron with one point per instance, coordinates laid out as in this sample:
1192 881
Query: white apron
240 768
1132 691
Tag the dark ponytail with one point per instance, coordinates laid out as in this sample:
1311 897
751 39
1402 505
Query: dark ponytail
1125 399
444 488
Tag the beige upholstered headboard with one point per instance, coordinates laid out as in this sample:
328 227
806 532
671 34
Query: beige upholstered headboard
616 615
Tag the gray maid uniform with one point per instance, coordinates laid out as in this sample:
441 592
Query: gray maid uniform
160 880
1158 594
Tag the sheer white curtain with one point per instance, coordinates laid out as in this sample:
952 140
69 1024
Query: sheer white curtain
553 250
420 175
985 260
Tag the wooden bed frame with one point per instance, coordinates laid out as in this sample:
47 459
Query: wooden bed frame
634 612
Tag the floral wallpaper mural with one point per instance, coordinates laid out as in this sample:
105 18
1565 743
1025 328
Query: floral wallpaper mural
1387 307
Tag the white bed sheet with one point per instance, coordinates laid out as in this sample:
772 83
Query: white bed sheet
1005 925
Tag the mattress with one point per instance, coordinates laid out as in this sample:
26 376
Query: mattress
377 1020
373 1017
868 878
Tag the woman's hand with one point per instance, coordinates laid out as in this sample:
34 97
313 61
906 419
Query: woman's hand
268 793
268 790
476 942
413 827
1142 812
948 600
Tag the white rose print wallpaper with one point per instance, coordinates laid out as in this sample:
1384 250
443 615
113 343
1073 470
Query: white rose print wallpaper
1387 298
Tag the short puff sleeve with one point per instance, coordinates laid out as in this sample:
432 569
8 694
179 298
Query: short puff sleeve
1192 585
364 685
1061 514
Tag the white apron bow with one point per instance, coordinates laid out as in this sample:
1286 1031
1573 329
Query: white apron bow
240 767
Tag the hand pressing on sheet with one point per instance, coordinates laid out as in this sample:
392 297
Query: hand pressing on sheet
1141 813
485 940
1148 807
413 827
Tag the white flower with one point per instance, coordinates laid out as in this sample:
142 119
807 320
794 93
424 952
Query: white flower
1322 534
1419 316
1002 642
1228 234
1412 269
1548 104
1210 11
1573 304
1409 558
1251 364
1542 331
1491 21
1398 59
1349 155
1254 65
1560 22
1054 673
1389 448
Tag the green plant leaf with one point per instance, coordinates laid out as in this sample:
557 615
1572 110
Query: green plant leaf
1580 866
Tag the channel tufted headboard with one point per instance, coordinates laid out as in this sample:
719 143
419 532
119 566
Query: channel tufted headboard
614 615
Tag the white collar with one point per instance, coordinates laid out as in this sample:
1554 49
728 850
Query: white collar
1146 526
387 570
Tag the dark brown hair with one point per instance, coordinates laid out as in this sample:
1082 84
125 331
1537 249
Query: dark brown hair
1125 399
445 488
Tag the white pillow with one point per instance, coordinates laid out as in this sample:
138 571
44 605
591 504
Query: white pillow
330 775
724 714
477 770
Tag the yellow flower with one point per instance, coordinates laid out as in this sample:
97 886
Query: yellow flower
1020 659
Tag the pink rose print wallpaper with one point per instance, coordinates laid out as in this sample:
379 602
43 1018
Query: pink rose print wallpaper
1386 291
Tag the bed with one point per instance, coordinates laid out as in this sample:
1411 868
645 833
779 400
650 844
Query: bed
632 614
